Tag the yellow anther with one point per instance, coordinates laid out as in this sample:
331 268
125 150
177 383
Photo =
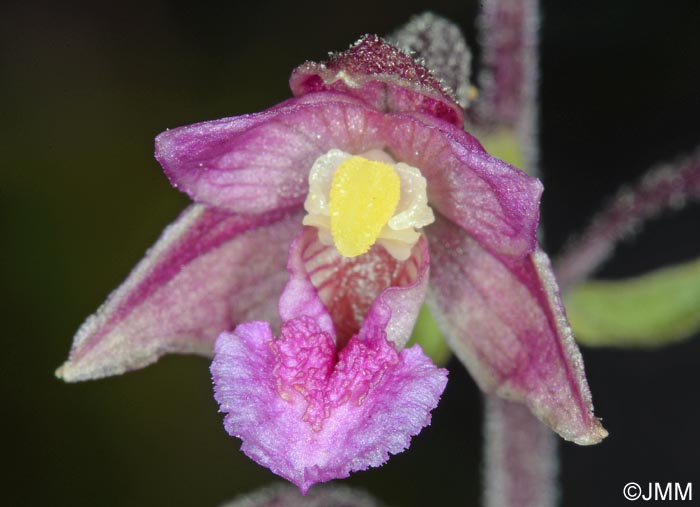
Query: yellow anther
363 197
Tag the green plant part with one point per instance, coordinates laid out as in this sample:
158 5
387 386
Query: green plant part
651 310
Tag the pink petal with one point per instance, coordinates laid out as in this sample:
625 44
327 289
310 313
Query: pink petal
491 200
195 282
396 309
504 319
345 296
383 76
300 297
261 162
311 419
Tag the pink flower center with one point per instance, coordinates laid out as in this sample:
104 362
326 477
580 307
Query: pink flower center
307 368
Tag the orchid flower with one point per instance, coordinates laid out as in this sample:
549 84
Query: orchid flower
367 184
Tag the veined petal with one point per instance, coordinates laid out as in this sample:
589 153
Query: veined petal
383 76
250 165
260 162
396 309
494 202
504 319
347 296
194 283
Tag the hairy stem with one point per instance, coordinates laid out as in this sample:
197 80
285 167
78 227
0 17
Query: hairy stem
667 186
520 453
520 457
508 80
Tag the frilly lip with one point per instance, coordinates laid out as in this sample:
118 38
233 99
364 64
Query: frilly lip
312 412
383 76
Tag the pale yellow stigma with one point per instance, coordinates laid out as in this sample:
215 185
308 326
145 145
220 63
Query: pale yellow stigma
363 197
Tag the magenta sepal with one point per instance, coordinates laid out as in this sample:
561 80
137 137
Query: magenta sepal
194 283
311 408
504 319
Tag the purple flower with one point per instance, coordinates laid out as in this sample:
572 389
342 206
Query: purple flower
366 182
326 398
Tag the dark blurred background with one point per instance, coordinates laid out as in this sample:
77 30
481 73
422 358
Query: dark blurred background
86 87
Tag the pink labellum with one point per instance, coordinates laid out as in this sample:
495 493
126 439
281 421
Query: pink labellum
311 408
